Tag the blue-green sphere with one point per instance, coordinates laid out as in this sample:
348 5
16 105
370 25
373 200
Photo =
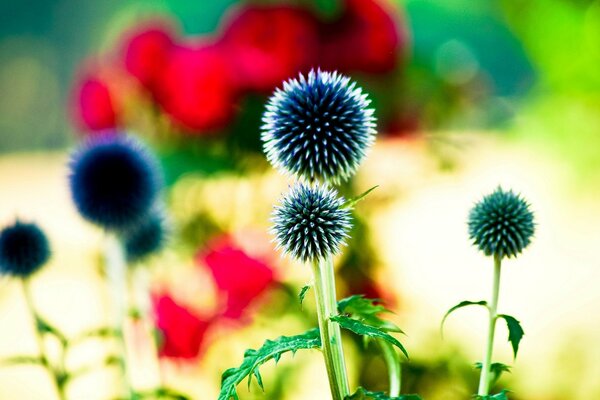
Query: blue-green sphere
318 127
501 224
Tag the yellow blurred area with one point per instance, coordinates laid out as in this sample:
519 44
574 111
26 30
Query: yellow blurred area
418 216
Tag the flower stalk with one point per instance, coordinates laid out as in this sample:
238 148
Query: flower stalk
117 273
331 337
56 375
485 377
392 361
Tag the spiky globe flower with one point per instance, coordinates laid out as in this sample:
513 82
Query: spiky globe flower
114 181
318 127
501 224
146 238
311 223
24 248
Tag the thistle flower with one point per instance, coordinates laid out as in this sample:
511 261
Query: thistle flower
501 224
114 181
146 238
311 222
24 248
318 127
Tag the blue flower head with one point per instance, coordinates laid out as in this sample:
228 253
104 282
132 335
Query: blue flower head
24 248
114 181
318 127
501 224
146 238
311 223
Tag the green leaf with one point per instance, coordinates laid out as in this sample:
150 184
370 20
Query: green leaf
367 310
461 305
98 333
44 327
19 360
515 332
360 328
303 293
350 203
363 394
107 362
496 369
498 396
253 359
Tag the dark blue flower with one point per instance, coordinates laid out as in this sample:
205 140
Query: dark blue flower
318 127
24 248
146 238
501 224
114 181
311 222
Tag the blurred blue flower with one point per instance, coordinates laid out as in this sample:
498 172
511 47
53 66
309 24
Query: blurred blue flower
24 248
146 238
114 181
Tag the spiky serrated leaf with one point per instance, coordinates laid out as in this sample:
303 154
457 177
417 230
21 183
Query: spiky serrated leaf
350 203
515 332
496 369
367 310
360 328
363 394
462 304
503 395
303 293
253 359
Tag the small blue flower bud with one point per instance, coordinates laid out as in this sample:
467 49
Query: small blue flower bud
311 222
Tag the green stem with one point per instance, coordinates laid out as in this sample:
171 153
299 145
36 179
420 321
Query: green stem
116 268
484 381
331 337
392 359
60 388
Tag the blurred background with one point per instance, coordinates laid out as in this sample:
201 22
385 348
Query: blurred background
468 95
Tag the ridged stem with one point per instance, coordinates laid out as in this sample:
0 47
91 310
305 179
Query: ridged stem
392 360
331 336
116 269
142 301
484 381
60 387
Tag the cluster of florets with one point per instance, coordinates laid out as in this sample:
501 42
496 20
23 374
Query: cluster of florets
319 129
501 224
311 222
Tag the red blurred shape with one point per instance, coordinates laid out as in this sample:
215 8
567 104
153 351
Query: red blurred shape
269 44
240 278
146 52
367 37
183 332
93 104
196 88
